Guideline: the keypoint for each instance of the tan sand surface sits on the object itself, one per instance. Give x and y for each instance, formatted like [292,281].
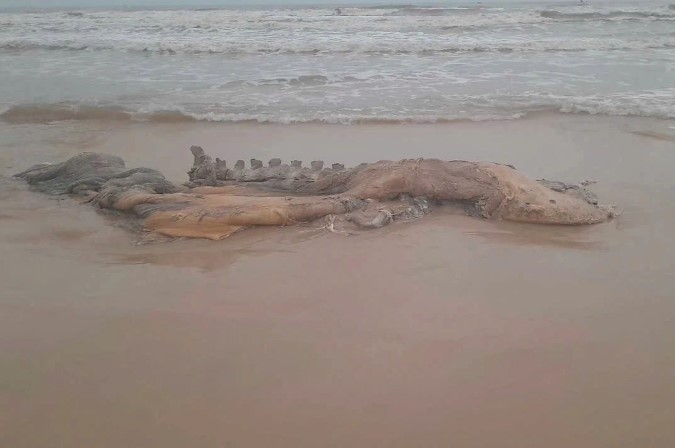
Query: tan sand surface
[446,332]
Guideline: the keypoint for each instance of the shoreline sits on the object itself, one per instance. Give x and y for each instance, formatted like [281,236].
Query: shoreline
[254,140]
[65,113]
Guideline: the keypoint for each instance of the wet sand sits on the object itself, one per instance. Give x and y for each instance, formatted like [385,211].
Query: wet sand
[446,332]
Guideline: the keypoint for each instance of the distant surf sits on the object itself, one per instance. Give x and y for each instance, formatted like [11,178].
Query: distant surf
[643,105]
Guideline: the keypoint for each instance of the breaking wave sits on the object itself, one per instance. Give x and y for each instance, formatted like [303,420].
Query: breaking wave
[389,63]
[645,104]
[420,11]
[51,113]
[385,29]
[363,46]
[572,16]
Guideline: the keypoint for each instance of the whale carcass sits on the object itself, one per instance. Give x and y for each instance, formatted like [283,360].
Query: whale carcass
[218,201]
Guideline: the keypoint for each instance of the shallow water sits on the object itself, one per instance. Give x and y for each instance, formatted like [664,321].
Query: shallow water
[285,65]
[448,331]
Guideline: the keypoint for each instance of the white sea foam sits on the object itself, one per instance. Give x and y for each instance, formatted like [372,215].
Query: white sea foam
[657,104]
[347,44]
[315,30]
[367,64]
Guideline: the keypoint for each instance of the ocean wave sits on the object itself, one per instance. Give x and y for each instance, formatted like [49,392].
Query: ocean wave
[387,18]
[641,104]
[389,6]
[429,11]
[356,46]
[28,46]
[402,30]
[351,20]
[298,81]
[56,112]
[609,15]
